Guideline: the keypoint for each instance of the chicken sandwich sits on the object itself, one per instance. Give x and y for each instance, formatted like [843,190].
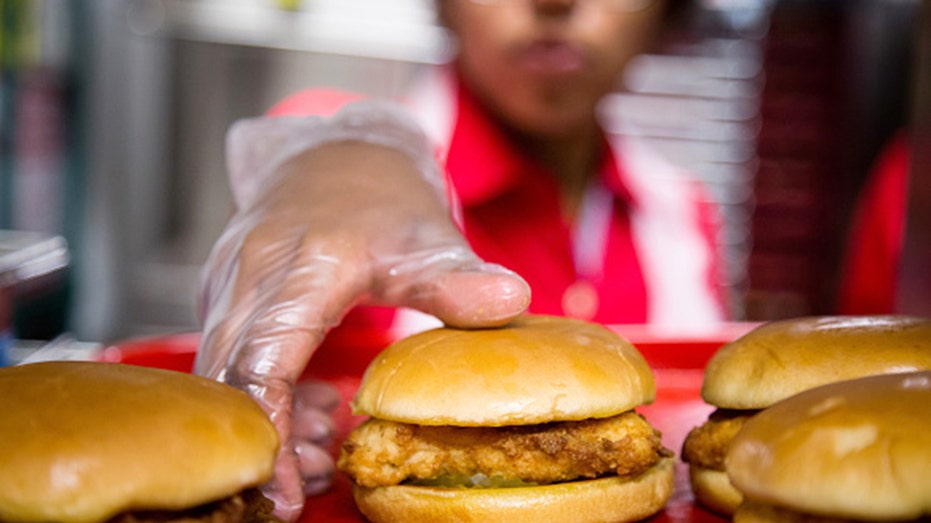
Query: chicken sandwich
[781,359]
[851,451]
[530,422]
[88,442]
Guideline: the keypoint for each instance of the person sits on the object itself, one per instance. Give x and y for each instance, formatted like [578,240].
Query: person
[493,177]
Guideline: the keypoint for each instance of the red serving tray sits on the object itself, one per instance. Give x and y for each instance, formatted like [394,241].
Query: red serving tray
[678,363]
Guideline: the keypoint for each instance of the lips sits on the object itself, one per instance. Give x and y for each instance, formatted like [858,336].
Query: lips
[553,57]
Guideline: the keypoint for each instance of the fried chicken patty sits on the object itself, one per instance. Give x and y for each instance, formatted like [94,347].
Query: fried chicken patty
[707,444]
[381,453]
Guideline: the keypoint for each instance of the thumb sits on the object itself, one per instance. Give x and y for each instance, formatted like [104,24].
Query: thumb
[469,295]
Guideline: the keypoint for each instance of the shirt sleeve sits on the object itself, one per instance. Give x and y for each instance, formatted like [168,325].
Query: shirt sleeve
[313,102]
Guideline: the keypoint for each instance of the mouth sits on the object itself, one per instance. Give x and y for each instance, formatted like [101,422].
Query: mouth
[551,57]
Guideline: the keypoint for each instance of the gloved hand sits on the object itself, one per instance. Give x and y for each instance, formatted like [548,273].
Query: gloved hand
[330,213]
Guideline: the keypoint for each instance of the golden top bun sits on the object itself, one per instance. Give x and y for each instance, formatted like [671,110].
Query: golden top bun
[857,449]
[782,358]
[535,369]
[613,498]
[83,441]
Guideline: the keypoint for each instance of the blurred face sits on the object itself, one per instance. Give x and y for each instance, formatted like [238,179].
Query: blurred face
[543,65]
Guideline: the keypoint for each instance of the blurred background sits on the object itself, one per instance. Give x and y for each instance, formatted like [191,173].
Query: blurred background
[113,115]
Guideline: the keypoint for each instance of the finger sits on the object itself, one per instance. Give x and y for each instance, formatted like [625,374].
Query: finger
[484,298]
[297,305]
[312,425]
[316,394]
[453,284]
[222,319]
[285,489]
[316,468]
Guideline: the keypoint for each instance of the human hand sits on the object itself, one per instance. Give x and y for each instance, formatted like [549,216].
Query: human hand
[343,223]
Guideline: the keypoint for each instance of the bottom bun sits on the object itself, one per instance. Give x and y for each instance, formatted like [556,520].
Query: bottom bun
[713,490]
[614,499]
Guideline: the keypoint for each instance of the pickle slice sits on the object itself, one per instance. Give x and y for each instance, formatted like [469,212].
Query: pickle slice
[478,480]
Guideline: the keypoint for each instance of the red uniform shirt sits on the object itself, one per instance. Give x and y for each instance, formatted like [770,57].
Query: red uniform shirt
[511,215]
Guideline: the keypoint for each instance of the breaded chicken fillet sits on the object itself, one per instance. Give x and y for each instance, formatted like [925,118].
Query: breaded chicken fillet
[706,445]
[381,453]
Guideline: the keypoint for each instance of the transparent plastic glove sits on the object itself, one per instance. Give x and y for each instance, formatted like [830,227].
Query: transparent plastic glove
[331,213]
